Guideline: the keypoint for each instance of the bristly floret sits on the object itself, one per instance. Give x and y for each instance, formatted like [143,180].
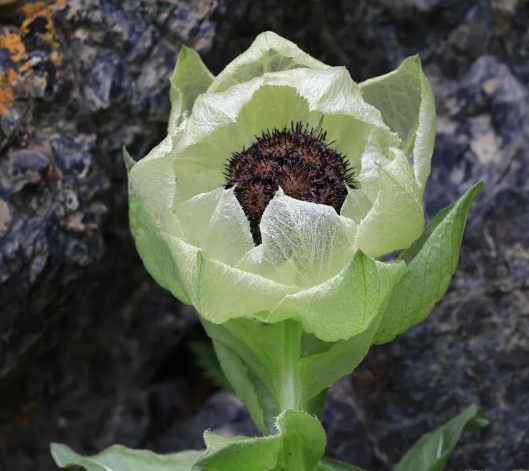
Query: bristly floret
[297,159]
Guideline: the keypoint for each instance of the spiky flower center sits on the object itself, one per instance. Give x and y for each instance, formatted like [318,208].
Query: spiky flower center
[297,159]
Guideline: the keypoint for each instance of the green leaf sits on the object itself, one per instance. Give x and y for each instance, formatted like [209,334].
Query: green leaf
[297,444]
[430,263]
[190,78]
[304,441]
[319,371]
[275,366]
[119,458]
[128,160]
[432,451]
[406,102]
[239,453]
[328,464]
[253,357]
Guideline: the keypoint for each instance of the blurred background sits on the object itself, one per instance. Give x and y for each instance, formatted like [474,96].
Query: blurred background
[93,352]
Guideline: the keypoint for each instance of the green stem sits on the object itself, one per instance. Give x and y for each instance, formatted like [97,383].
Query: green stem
[292,346]
[292,454]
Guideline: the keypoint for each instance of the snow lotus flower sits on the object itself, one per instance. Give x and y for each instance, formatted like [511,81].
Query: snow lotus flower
[279,186]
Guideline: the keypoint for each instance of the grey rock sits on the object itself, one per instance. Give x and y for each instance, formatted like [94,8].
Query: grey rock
[86,337]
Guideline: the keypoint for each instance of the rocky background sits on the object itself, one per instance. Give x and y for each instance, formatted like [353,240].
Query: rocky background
[93,353]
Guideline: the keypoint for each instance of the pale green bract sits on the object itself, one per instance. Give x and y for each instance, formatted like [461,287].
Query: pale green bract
[193,235]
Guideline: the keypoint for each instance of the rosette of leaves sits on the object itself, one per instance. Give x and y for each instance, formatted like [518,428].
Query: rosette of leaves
[280,185]
[297,444]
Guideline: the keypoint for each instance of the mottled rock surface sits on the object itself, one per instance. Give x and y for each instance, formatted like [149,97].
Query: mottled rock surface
[91,349]
[92,352]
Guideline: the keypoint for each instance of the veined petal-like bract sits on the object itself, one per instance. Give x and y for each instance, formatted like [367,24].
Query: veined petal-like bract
[314,262]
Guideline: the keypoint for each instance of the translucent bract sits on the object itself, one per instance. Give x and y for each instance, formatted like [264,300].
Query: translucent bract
[314,265]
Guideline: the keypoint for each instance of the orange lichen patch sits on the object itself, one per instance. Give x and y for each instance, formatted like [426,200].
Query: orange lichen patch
[15,46]
[43,10]
[56,58]
[14,43]
[35,8]
[17,51]
[31,10]
[24,67]
[45,13]
[7,97]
